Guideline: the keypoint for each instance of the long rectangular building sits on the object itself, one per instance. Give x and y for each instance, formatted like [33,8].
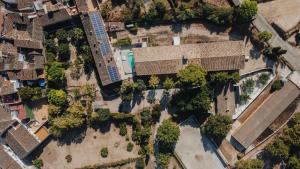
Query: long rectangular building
[101,49]
[265,115]
[214,56]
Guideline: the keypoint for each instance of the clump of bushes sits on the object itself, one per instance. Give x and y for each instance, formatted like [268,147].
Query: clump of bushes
[123,42]
[129,147]
[38,163]
[123,129]
[263,79]
[277,85]
[140,164]
[104,152]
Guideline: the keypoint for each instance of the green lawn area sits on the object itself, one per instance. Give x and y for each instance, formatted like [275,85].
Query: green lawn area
[29,113]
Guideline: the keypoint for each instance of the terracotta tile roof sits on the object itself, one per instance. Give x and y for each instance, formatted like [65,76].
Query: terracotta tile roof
[27,43]
[54,18]
[6,87]
[263,117]
[23,4]
[226,101]
[214,56]
[21,141]
[5,120]
[6,161]
[24,74]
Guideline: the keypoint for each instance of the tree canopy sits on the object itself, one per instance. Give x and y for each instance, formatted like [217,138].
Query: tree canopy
[101,115]
[30,93]
[191,76]
[153,81]
[217,127]
[265,36]
[194,100]
[249,164]
[168,84]
[55,72]
[246,11]
[57,98]
[168,134]
[62,35]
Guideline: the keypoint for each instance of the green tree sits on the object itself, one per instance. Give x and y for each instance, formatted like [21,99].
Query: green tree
[263,78]
[222,78]
[129,147]
[30,93]
[248,86]
[217,127]
[195,100]
[62,35]
[140,164]
[250,164]
[38,163]
[164,159]
[55,73]
[156,112]
[57,98]
[160,8]
[140,86]
[51,46]
[246,11]
[101,115]
[168,84]
[153,81]
[146,116]
[218,15]
[265,36]
[63,52]
[293,163]
[127,90]
[76,35]
[278,150]
[51,57]
[123,129]
[104,152]
[168,134]
[191,76]
[105,9]
[277,85]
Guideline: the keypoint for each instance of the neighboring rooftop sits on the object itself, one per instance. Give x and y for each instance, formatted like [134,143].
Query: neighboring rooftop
[6,161]
[283,13]
[226,100]
[101,49]
[21,141]
[5,120]
[261,119]
[214,56]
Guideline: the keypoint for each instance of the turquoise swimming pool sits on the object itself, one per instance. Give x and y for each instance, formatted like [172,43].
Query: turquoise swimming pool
[131,60]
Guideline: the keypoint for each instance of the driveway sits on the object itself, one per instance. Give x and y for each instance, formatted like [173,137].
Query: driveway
[194,149]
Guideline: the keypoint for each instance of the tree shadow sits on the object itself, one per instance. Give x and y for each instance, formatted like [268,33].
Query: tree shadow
[125,106]
[151,96]
[74,136]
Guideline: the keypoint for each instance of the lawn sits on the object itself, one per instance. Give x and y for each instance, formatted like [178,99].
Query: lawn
[29,112]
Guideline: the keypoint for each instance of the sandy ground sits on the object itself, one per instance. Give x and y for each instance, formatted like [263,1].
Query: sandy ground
[88,151]
[40,110]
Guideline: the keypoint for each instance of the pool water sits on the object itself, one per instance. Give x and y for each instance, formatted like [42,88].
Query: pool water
[131,60]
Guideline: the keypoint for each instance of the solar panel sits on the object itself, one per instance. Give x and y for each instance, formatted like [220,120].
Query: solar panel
[113,74]
[100,32]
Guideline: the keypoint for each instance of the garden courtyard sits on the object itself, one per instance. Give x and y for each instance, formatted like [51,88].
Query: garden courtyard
[54,154]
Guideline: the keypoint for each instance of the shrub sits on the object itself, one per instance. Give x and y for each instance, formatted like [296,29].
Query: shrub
[68,158]
[248,86]
[129,147]
[146,117]
[250,164]
[104,152]
[168,134]
[55,73]
[122,117]
[123,42]
[101,115]
[217,127]
[265,36]
[29,93]
[62,35]
[38,163]
[244,97]
[57,98]
[164,159]
[123,129]
[140,164]
[156,112]
[63,52]
[277,85]
[263,78]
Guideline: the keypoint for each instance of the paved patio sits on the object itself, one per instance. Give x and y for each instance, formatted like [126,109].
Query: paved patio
[194,149]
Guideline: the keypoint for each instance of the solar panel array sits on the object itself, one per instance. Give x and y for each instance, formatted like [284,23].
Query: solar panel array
[100,33]
[113,73]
